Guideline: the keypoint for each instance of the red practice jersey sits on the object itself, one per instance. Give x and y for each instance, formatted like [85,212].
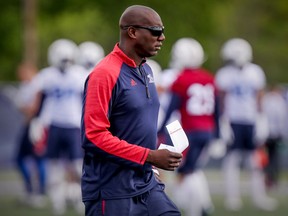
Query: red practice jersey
[197,92]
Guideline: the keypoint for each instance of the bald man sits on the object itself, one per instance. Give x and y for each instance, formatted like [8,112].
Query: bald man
[119,125]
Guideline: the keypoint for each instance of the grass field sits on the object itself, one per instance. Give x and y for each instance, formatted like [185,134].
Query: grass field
[10,206]
[11,187]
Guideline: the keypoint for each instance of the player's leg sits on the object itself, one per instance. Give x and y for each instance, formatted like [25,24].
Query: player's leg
[56,186]
[201,181]
[25,151]
[272,170]
[38,198]
[25,173]
[56,171]
[41,169]
[192,194]
[186,196]
[75,156]
[258,188]
[204,192]
[231,170]
[232,180]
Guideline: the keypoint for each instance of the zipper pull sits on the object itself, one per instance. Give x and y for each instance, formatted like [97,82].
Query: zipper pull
[147,91]
[144,75]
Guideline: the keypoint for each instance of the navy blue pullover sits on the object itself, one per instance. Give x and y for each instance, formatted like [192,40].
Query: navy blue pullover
[119,127]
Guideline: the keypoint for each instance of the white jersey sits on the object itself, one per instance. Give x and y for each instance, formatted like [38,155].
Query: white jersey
[25,95]
[63,95]
[167,78]
[241,87]
[87,71]
[274,106]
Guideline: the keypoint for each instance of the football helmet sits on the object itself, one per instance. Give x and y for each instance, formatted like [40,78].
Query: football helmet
[186,53]
[237,51]
[62,53]
[90,53]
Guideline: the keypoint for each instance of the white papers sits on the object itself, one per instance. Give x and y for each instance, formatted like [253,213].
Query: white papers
[168,147]
[178,137]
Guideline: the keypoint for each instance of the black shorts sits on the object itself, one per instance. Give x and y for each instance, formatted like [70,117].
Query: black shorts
[244,137]
[64,143]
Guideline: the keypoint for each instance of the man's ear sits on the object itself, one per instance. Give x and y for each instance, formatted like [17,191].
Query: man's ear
[131,32]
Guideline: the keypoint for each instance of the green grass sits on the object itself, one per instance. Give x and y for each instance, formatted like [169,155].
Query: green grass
[10,205]
[248,209]
[14,205]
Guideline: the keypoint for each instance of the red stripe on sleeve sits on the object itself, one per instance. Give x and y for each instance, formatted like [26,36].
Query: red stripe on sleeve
[96,123]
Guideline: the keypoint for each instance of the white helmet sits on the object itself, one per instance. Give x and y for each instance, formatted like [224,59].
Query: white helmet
[187,53]
[156,69]
[237,50]
[62,53]
[90,54]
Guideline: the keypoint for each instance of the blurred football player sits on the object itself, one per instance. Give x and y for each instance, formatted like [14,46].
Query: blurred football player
[194,95]
[169,75]
[62,85]
[241,85]
[30,150]
[275,108]
[90,53]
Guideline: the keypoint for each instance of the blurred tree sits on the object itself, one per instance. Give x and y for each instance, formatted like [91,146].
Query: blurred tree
[10,38]
[264,25]
[211,22]
[29,8]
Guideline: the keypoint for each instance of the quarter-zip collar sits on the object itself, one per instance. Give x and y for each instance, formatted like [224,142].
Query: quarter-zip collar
[144,76]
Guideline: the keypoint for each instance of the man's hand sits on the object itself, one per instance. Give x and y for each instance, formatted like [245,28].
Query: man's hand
[164,159]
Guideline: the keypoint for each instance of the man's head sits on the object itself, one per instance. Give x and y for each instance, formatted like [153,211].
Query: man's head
[62,53]
[90,53]
[187,53]
[26,71]
[141,32]
[237,51]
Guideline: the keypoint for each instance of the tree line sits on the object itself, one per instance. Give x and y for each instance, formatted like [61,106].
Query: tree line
[28,27]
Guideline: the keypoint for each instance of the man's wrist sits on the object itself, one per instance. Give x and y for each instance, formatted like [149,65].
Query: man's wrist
[149,158]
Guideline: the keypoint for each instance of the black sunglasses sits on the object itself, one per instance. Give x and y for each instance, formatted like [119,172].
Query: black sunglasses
[156,31]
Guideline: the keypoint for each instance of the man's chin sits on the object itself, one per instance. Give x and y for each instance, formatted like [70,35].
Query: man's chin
[153,53]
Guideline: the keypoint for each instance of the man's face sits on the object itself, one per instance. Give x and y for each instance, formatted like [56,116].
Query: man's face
[149,38]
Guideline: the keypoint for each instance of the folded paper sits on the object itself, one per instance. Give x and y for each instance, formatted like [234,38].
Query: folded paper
[178,137]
